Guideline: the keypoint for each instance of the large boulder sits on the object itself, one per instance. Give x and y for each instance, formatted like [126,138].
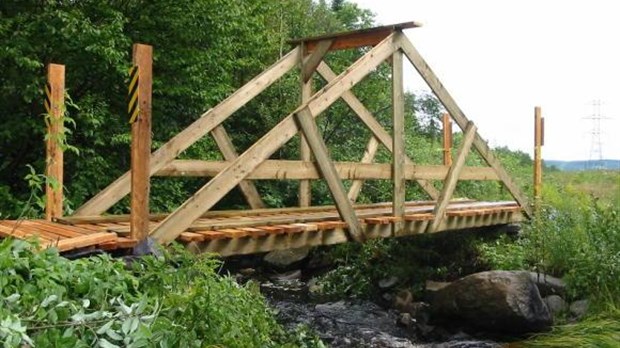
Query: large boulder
[498,301]
[286,259]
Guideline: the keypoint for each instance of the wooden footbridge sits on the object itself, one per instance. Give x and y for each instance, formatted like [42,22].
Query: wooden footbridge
[263,229]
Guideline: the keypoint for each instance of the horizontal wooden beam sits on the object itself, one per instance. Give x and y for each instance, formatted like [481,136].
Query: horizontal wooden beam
[299,170]
[356,38]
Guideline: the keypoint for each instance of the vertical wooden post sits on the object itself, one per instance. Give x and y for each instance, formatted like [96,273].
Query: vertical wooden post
[55,108]
[305,188]
[538,143]
[447,140]
[398,141]
[141,143]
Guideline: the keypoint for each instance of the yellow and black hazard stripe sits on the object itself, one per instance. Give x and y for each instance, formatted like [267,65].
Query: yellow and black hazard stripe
[132,107]
[48,98]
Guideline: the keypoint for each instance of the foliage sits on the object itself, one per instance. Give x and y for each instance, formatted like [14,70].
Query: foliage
[573,237]
[179,301]
[204,50]
[598,331]
[413,260]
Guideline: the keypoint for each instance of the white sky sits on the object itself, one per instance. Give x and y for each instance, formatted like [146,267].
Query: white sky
[499,59]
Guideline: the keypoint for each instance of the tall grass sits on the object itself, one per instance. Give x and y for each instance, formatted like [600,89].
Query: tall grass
[574,237]
[598,331]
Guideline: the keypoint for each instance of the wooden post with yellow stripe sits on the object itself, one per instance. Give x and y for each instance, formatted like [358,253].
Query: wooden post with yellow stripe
[140,89]
[54,115]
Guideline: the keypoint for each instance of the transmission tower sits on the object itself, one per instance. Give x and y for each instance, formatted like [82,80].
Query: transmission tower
[596,144]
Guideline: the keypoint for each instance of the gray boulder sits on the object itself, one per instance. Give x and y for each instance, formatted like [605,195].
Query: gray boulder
[579,308]
[285,259]
[555,304]
[498,301]
[548,285]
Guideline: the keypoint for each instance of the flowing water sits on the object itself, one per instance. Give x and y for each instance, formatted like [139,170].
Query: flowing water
[358,323]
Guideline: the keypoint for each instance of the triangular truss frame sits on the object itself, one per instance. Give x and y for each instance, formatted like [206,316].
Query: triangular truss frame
[388,42]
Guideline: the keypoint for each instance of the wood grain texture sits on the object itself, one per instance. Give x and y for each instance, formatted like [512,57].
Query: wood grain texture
[328,171]
[222,183]
[248,189]
[54,156]
[369,120]
[447,139]
[141,144]
[398,141]
[300,170]
[305,186]
[449,183]
[538,141]
[367,158]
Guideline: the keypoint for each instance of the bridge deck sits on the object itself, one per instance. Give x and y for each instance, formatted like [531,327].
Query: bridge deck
[242,232]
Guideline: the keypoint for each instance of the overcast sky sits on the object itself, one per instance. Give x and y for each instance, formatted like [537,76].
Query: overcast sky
[499,59]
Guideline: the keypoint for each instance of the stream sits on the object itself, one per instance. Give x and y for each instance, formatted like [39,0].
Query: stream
[354,323]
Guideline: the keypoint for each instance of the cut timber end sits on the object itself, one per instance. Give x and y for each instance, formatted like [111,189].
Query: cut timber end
[354,39]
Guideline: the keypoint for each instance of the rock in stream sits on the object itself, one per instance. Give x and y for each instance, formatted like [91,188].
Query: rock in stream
[350,323]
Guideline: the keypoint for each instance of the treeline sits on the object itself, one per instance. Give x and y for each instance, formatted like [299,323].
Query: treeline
[203,51]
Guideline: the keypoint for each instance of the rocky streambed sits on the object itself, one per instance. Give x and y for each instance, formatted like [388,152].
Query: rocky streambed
[486,309]
[356,323]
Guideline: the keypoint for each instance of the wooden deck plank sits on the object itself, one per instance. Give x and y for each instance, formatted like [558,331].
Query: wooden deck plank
[85,241]
[9,231]
[28,230]
[66,231]
[271,229]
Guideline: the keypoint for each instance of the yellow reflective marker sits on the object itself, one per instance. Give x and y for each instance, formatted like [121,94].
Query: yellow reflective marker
[48,98]
[132,108]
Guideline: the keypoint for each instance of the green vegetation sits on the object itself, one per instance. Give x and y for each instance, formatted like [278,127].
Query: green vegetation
[576,237]
[176,301]
[600,330]
[204,50]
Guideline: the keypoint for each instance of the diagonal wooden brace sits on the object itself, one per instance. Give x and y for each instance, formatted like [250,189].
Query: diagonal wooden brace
[369,156]
[199,128]
[452,177]
[328,171]
[369,120]
[309,64]
[234,173]
[228,152]
[459,117]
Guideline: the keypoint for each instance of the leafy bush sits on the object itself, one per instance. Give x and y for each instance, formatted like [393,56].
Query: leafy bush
[413,260]
[575,237]
[180,301]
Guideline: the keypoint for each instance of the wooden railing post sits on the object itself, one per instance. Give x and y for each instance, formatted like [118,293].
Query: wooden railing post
[538,143]
[54,118]
[447,140]
[140,93]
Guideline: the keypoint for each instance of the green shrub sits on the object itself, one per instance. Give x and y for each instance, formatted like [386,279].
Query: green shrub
[574,237]
[177,301]
[505,253]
